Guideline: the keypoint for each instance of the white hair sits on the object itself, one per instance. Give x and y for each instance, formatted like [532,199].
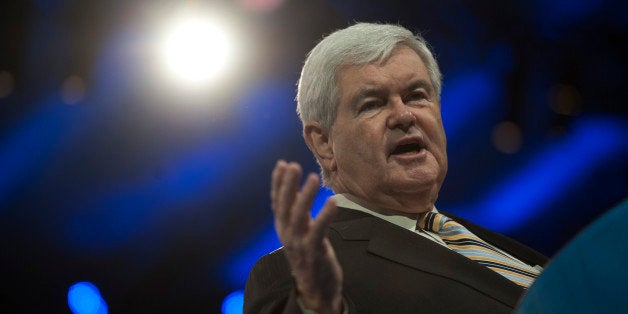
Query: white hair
[363,43]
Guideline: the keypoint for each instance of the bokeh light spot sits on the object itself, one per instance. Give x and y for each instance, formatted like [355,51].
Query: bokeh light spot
[194,50]
[233,303]
[507,137]
[261,6]
[84,298]
[565,100]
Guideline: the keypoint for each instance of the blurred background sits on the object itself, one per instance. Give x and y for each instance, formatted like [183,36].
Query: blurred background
[137,137]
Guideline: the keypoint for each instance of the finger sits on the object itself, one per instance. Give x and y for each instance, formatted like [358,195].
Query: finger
[275,182]
[300,216]
[287,193]
[322,221]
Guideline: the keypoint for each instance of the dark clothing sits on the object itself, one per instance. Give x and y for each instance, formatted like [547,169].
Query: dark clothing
[388,269]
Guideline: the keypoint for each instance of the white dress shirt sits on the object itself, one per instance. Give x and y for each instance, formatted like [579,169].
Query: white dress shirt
[347,201]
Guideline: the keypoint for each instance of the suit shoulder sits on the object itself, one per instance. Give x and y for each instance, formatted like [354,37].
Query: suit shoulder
[270,284]
[270,269]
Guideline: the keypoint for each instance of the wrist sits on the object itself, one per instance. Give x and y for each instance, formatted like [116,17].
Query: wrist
[321,305]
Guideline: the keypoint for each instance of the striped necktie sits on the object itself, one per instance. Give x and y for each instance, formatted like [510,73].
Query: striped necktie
[461,240]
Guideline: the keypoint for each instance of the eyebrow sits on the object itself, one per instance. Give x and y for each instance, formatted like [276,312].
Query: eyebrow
[365,92]
[421,83]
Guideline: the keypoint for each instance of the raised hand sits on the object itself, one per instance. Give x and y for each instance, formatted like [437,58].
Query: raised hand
[315,268]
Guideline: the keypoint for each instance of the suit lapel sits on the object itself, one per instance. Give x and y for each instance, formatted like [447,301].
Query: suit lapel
[407,248]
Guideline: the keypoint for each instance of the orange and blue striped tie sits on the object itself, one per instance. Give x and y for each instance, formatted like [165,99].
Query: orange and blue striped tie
[461,240]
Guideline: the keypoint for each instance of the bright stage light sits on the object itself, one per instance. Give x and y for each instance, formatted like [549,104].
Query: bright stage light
[84,298]
[194,50]
[233,303]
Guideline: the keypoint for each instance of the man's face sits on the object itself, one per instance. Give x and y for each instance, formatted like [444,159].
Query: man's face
[388,141]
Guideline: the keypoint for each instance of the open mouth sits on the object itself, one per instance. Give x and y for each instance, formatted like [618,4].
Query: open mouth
[410,148]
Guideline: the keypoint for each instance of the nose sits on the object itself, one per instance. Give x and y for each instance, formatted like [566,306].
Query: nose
[400,116]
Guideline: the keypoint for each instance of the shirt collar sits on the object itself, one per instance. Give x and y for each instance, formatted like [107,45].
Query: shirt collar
[346,200]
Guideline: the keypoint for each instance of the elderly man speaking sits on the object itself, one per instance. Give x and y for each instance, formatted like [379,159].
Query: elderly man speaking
[369,100]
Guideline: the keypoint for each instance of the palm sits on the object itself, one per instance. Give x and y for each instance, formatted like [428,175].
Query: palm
[316,269]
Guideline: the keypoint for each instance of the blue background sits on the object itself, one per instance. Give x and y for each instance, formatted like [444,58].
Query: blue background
[159,199]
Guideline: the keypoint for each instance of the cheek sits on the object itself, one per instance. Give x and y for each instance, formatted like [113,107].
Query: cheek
[440,135]
[434,128]
[362,140]
[432,124]
[348,147]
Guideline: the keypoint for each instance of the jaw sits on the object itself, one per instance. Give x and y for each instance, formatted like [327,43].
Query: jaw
[405,183]
[394,193]
[419,174]
[412,196]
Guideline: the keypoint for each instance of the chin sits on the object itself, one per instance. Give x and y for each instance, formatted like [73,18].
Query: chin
[416,185]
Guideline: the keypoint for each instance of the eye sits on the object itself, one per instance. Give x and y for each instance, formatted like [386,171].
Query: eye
[416,96]
[370,105]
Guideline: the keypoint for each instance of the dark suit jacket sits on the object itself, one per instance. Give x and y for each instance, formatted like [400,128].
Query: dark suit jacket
[388,269]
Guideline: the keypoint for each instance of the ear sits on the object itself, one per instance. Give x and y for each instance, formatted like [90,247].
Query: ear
[320,143]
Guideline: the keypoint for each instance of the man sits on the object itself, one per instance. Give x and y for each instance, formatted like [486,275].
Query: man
[369,100]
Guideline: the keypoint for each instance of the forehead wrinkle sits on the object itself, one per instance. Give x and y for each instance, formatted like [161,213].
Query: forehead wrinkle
[379,77]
